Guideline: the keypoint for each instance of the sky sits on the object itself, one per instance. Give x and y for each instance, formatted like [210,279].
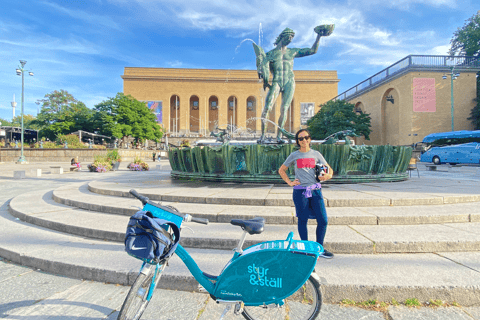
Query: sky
[83,46]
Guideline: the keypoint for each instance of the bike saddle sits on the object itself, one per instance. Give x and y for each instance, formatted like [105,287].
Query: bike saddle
[252,226]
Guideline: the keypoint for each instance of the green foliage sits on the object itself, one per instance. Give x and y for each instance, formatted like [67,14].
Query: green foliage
[466,41]
[113,156]
[138,165]
[61,113]
[475,113]
[435,303]
[348,302]
[72,141]
[100,164]
[5,123]
[413,302]
[335,116]
[395,302]
[125,116]
[28,122]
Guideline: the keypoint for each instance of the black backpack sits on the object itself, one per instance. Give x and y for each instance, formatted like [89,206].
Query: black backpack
[147,238]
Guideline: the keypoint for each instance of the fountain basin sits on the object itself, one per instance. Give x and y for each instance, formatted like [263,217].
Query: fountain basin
[259,163]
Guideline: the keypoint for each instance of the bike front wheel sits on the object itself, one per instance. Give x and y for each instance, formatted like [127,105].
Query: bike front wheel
[304,304]
[136,301]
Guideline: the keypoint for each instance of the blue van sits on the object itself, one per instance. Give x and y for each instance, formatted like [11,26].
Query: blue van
[453,154]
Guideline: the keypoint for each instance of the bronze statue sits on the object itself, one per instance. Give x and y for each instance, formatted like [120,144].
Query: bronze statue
[279,61]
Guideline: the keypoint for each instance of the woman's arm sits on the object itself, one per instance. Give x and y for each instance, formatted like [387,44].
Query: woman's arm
[283,173]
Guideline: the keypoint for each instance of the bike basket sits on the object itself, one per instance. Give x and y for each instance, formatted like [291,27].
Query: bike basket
[147,238]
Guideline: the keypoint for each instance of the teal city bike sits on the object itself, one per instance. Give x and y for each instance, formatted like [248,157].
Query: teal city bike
[269,280]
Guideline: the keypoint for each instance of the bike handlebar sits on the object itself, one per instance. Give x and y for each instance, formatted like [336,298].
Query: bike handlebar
[144,199]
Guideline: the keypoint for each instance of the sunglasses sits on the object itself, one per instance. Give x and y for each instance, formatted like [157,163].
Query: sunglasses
[306,138]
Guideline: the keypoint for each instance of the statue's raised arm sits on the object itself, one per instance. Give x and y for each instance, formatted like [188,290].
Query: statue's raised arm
[322,31]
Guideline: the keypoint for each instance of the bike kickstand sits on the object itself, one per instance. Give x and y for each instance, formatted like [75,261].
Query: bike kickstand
[228,307]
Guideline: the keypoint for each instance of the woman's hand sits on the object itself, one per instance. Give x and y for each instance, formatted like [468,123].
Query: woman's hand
[326,176]
[294,183]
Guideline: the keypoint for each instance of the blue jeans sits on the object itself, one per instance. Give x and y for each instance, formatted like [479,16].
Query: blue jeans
[313,208]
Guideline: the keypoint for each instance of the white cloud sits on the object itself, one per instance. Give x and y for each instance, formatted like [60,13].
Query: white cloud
[175,64]
[88,17]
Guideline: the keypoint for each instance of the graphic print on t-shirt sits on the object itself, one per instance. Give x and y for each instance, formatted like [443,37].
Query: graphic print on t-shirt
[306,164]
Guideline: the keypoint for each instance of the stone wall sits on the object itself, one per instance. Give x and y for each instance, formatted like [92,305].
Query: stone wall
[66,155]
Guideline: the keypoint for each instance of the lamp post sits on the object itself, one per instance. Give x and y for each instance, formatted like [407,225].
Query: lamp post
[452,77]
[21,71]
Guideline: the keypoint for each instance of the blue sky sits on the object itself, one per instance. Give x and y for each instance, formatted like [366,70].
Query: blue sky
[83,46]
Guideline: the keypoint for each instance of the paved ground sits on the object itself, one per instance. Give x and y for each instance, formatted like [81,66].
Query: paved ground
[31,294]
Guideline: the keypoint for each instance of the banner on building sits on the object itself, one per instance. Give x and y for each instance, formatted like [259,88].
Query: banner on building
[424,99]
[156,107]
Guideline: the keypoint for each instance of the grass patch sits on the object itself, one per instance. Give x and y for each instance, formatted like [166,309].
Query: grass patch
[435,303]
[413,302]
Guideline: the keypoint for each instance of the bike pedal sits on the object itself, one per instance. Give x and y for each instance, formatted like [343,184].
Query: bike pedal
[238,308]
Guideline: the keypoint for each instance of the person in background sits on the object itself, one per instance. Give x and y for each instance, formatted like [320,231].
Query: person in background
[307,192]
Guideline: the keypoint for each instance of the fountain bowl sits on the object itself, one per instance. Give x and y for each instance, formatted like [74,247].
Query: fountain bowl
[249,162]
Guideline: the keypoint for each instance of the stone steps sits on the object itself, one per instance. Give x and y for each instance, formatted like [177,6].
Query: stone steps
[348,239]
[427,251]
[359,195]
[78,195]
[446,276]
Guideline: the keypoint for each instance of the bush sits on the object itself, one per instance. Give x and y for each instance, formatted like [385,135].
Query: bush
[138,165]
[113,156]
[100,164]
[72,140]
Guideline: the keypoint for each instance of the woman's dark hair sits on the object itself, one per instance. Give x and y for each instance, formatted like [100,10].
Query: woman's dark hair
[298,132]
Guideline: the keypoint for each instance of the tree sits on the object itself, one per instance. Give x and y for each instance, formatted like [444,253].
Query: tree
[5,122]
[126,116]
[335,116]
[61,113]
[466,41]
[28,122]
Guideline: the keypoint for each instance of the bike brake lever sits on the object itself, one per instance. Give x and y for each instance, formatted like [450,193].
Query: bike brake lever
[187,228]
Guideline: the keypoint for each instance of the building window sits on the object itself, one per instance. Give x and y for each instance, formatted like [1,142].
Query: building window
[213,105]
[195,105]
[307,111]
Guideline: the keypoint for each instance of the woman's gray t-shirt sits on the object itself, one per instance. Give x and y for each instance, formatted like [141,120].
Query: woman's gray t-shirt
[305,165]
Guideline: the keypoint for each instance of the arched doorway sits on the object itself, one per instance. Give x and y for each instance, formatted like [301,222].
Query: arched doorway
[251,122]
[359,109]
[272,117]
[213,113]
[194,114]
[174,114]
[390,117]
[290,116]
[232,111]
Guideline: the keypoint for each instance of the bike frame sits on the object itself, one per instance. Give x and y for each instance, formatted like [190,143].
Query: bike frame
[263,274]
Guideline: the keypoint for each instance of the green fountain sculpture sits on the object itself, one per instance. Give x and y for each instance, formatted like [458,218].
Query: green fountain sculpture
[237,161]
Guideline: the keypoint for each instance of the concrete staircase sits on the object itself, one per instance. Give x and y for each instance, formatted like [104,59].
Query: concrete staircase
[389,241]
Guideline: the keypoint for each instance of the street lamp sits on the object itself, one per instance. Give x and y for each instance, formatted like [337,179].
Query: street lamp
[453,76]
[21,71]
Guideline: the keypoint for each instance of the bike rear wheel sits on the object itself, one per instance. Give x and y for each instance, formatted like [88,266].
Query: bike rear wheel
[136,301]
[304,304]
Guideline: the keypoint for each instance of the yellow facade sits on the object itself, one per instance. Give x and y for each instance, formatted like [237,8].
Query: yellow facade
[238,96]
[397,123]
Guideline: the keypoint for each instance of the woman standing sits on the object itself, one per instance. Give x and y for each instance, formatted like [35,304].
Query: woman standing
[307,192]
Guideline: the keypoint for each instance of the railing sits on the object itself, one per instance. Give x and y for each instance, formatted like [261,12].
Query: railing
[413,61]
